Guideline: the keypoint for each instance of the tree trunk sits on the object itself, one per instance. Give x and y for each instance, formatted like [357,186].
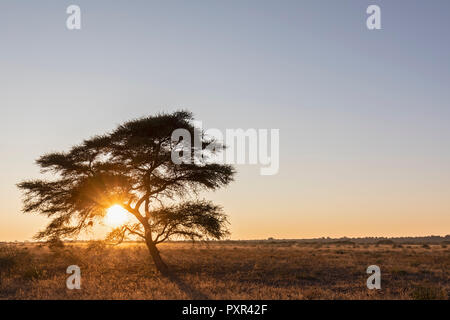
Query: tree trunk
[154,252]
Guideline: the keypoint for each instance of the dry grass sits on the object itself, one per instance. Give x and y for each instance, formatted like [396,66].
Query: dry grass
[226,271]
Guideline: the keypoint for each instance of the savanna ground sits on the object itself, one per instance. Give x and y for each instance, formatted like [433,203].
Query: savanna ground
[225,270]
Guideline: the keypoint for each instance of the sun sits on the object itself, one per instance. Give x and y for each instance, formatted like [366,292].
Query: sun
[116,216]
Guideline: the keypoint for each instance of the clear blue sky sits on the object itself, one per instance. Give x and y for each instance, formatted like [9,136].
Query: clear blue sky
[363,115]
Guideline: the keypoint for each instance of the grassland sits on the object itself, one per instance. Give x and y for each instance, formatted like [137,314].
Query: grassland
[257,270]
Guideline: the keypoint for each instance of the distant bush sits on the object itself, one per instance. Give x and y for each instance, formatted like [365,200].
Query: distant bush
[386,241]
[32,272]
[96,245]
[12,259]
[426,246]
[55,243]
[344,242]
[7,262]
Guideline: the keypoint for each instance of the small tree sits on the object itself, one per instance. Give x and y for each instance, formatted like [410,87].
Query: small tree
[132,166]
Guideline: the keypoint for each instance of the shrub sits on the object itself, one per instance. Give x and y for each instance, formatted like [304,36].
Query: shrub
[55,243]
[13,261]
[96,246]
[32,272]
[12,258]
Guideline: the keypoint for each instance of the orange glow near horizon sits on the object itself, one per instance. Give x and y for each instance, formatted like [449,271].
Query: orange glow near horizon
[116,216]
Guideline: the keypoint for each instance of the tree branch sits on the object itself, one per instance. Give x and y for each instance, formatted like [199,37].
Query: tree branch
[135,232]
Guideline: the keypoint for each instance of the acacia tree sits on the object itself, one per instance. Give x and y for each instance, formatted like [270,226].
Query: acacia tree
[132,166]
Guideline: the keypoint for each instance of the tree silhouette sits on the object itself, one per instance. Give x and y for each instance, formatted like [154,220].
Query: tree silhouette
[132,166]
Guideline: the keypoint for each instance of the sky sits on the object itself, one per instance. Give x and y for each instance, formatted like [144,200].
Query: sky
[363,114]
